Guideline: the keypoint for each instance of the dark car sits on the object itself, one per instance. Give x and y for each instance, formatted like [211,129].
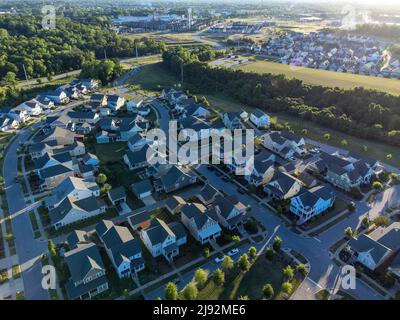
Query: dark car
[241,190]
[226,178]
[210,167]
[218,173]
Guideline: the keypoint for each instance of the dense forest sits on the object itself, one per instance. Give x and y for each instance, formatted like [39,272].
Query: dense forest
[23,41]
[360,112]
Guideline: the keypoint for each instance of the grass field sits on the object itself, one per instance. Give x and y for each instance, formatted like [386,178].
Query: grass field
[322,77]
[249,283]
[152,78]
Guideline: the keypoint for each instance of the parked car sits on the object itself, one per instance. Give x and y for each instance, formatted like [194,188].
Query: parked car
[219,259]
[226,178]
[233,252]
[241,190]
[218,173]
[210,167]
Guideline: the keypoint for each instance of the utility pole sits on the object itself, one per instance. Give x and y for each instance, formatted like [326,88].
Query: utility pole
[105,55]
[137,55]
[26,76]
[181,71]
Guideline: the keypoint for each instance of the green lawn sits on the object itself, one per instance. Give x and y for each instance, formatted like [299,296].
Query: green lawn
[322,77]
[109,152]
[152,77]
[249,283]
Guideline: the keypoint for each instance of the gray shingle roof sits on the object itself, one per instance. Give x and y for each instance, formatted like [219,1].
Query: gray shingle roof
[117,193]
[141,187]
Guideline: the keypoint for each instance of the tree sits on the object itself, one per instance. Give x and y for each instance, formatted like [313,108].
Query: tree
[365,222]
[327,136]
[190,292]
[268,291]
[244,298]
[277,243]
[348,232]
[244,263]
[365,148]
[171,291]
[235,238]
[227,263]
[302,268]
[351,206]
[52,248]
[389,156]
[10,79]
[206,252]
[344,142]
[381,221]
[218,277]
[200,276]
[288,272]
[101,178]
[377,185]
[304,132]
[287,287]
[269,253]
[252,252]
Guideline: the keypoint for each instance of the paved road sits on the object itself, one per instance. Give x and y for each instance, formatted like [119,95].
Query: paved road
[28,248]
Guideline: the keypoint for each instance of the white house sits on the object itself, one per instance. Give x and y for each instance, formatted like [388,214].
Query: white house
[163,239]
[122,248]
[202,227]
[71,210]
[115,102]
[260,119]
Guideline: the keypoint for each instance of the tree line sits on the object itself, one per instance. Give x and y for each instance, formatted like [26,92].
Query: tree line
[361,112]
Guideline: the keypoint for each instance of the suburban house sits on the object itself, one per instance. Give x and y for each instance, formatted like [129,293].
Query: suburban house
[89,84]
[232,120]
[136,159]
[71,210]
[40,149]
[115,102]
[137,142]
[117,195]
[228,211]
[99,98]
[32,107]
[76,188]
[260,119]
[20,115]
[202,227]
[7,123]
[263,168]
[50,160]
[133,104]
[345,172]
[91,159]
[208,194]
[173,95]
[102,137]
[284,143]
[122,248]
[174,204]
[376,250]
[140,220]
[52,176]
[312,203]
[174,179]
[60,135]
[57,96]
[142,189]
[81,117]
[164,239]
[87,270]
[282,186]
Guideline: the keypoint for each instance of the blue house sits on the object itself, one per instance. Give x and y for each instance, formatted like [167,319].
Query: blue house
[91,159]
[102,137]
[128,128]
[312,203]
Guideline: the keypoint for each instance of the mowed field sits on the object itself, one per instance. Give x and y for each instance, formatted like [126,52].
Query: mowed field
[322,77]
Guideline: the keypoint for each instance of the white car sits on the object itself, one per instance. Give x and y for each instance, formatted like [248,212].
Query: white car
[233,252]
[219,259]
